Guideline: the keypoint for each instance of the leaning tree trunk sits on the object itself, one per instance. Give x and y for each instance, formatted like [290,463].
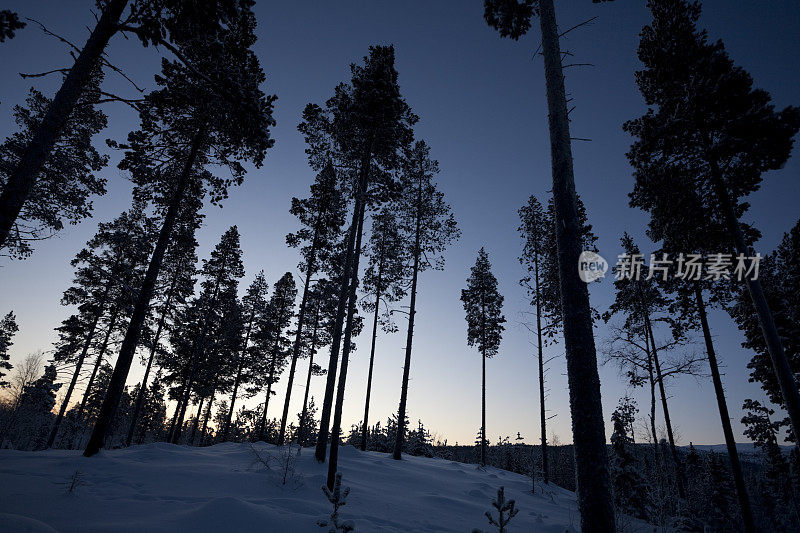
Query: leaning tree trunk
[780,364]
[78,365]
[588,431]
[23,178]
[542,413]
[333,458]
[131,340]
[336,338]
[298,336]
[364,424]
[412,313]
[730,443]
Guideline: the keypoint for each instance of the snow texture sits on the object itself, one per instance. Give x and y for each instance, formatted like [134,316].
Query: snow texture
[167,488]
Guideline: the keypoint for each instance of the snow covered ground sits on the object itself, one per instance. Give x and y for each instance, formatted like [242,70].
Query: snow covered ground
[163,487]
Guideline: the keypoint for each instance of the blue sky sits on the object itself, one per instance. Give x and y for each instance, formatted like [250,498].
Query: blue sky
[482,110]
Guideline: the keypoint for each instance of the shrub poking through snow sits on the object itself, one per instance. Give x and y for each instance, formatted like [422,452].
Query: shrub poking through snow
[505,509]
[74,482]
[337,497]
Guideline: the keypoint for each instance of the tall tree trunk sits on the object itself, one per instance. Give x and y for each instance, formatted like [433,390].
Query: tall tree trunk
[588,431]
[99,361]
[304,412]
[131,340]
[365,421]
[730,443]
[78,365]
[664,407]
[651,380]
[206,417]
[780,364]
[143,387]
[238,379]
[196,423]
[336,338]
[333,458]
[412,313]
[483,409]
[298,336]
[263,432]
[542,414]
[23,178]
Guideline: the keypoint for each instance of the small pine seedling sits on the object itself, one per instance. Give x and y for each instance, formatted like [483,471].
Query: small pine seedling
[338,498]
[505,509]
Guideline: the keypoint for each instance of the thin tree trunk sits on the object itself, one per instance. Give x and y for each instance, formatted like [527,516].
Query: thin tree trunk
[298,336]
[304,413]
[651,379]
[333,458]
[333,361]
[664,407]
[78,365]
[99,361]
[23,178]
[262,433]
[542,414]
[730,443]
[196,423]
[206,417]
[483,410]
[780,364]
[412,313]
[364,424]
[143,387]
[238,379]
[588,430]
[131,340]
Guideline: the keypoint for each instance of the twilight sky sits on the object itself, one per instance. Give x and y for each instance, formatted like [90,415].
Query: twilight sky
[482,110]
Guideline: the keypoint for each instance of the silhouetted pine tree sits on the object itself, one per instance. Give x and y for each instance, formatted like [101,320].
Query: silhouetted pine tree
[67,179]
[364,124]
[168,24]
[255,306]
[8,328]
[273,340]
[211,114]
[428,227]
[321,308]
[382,285]
[221,274]
[641,300]
[108,275]
[723,135]
[322,215]
[630,489]
[175,286]
[512,18]
[9,24]
[483,305]
[780,280]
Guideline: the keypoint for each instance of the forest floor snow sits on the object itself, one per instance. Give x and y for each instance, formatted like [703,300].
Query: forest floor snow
[166,488]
